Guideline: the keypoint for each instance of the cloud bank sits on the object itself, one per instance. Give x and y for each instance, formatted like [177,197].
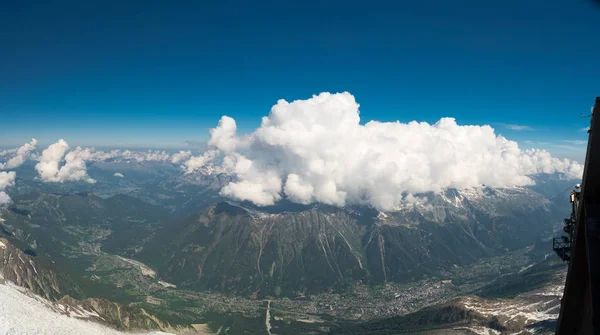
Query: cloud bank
[51,168]
[7,179]
[7,152]
[316,150]
[21,155]
[58,163]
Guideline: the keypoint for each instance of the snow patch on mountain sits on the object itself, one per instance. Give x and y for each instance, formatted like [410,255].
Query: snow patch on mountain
[492,201]
[22,312]
[480,330]
[525,310]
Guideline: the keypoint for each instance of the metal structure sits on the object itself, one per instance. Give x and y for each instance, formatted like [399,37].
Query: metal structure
[562,245]
[580,306]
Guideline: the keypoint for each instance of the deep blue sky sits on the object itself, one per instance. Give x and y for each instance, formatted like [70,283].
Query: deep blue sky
[157,73]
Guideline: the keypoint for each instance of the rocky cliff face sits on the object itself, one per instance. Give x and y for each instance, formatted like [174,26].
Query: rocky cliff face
[231,248]
[113,314]
[38,275]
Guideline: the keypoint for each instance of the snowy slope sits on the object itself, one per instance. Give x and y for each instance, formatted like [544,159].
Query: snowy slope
[22,312]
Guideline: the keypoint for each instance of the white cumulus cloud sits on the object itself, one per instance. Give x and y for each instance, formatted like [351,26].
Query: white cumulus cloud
[316,150]
[21,155]
[196,162]
[180,156]
[7,179]
[58,164]
[120,175]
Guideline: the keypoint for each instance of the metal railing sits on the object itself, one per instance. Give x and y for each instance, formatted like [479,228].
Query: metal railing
[562,247]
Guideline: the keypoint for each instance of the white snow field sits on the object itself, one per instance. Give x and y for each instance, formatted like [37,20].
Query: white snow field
[22,312]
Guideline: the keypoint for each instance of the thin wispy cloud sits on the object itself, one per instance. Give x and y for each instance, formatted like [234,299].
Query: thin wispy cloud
[537,143]
[196,144]
[576,142]
[585,129]
[569,147]
[517,127]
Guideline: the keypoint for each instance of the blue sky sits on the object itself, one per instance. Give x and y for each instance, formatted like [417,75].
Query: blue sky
[158,73]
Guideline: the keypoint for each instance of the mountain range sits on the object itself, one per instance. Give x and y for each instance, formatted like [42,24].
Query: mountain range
[185,256]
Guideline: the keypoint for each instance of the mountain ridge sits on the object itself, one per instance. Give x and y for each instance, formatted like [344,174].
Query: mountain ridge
[353,243]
